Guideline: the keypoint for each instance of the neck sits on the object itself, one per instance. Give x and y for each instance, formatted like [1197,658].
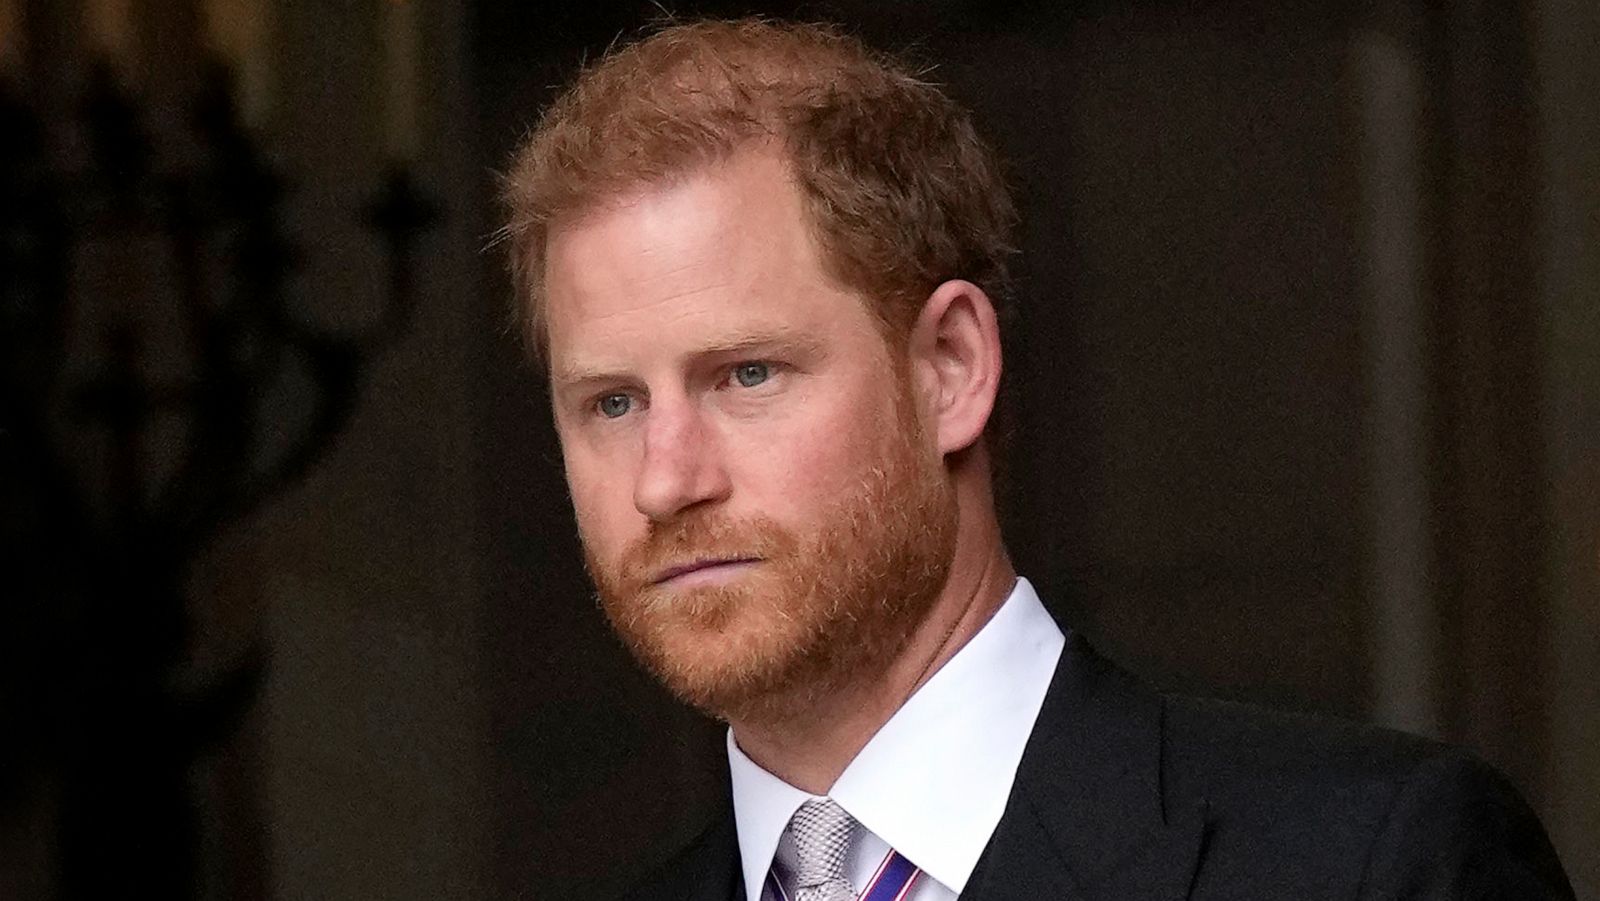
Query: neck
[810,748]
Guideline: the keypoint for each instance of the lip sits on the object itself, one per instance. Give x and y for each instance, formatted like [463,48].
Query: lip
[696,566]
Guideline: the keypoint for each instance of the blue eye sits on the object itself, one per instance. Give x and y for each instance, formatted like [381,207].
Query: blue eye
[751,374]
[614,405]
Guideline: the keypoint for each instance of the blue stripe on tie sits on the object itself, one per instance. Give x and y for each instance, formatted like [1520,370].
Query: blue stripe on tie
[897,874]
[894,876]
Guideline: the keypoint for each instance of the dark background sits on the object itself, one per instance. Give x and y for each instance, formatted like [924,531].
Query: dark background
[1305,360]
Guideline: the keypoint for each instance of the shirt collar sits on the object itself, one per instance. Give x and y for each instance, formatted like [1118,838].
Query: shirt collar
[762,807]
[934,780]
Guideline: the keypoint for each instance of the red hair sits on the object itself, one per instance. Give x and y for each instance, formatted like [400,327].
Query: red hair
[901,192]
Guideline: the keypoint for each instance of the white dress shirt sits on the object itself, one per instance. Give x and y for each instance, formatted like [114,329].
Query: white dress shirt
[933,782]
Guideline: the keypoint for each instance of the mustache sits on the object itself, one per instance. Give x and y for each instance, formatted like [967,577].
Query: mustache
[695,540]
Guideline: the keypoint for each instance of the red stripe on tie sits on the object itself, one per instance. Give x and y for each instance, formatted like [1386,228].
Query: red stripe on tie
[906,892]
[894,878]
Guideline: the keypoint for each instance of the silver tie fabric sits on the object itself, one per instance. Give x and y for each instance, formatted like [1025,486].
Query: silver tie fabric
[821,832]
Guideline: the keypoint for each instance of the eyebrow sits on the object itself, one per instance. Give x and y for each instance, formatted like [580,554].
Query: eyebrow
[780,342]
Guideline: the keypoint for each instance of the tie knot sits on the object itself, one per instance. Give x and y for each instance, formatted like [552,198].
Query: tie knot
[821,832]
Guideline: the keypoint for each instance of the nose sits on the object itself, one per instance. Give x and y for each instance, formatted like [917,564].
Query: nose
[682,465]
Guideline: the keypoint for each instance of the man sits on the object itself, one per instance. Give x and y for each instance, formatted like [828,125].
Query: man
[761,264]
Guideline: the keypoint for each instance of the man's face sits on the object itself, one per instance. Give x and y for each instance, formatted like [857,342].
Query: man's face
[761,511]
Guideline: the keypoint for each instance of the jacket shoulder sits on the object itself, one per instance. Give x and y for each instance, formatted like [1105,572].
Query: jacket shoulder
[1382,812]
[1229,745]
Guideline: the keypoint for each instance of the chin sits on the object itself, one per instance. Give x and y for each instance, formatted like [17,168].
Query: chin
[773,651]
[719,650]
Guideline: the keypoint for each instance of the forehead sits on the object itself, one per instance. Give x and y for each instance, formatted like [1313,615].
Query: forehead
[724,249]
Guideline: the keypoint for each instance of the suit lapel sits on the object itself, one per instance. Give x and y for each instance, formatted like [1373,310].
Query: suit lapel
[1087,819]
[707,870]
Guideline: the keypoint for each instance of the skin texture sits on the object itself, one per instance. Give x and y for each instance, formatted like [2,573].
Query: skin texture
[789,519]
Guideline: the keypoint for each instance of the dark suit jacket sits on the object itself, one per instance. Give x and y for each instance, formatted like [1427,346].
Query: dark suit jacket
[1125,794]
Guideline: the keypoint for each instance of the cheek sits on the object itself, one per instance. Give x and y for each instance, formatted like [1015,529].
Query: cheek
[809,460]
[601,506]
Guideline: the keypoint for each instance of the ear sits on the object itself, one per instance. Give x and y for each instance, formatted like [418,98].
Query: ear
[955,362]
